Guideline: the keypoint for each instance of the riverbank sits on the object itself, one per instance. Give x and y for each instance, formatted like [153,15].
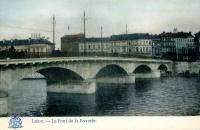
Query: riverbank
[3,104]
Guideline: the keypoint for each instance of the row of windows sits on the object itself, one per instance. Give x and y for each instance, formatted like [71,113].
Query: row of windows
[107,47]
[94,46]
[28,49]
[180,39]
[33,50]
[134,49]
[91,47]
[168,49]
[168,44]
[148,43]
[184,40]
[141,43]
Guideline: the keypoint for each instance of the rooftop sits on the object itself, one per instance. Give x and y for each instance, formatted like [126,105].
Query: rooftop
[160,40]
[79,35]
[197,34]
[18,42]
[133,36]
[176,35]
[96,39]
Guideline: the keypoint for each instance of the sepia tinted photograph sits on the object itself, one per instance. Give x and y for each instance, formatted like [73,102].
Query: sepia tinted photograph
[82,58]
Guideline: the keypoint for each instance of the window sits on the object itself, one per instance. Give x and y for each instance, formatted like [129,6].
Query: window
[137,49]
[124,49]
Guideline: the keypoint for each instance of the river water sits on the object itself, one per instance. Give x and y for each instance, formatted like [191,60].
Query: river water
[151,97]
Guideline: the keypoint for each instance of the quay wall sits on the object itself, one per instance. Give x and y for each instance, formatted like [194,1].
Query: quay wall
[187,67]
[3,104]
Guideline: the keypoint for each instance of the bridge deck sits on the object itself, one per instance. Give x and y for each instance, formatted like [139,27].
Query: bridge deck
[66,59]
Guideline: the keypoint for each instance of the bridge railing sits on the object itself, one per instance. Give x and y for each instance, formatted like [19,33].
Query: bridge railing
[99,54]
[26,55]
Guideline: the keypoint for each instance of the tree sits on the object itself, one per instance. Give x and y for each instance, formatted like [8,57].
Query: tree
[11,52]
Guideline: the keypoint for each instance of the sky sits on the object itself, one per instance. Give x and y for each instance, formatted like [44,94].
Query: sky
[21,18]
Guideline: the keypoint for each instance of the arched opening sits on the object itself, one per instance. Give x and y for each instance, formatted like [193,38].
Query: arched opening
[111,71]
[142,69]
[163,70]
[56,74]
[162,67]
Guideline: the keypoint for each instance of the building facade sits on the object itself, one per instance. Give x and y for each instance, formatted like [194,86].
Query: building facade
[174,46]
[164,49]
[180,44]
[70,43]
[197,42]
[37,47]
[137,44]
[95,45]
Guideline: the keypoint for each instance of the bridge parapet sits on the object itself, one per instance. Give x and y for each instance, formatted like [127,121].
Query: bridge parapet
[70,59]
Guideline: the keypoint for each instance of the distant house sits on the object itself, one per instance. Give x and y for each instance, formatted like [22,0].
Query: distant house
[136,44]
[183,42]
[70,43]
[182,39]
[164,49]
[95,45]
[35,46]
[197,42]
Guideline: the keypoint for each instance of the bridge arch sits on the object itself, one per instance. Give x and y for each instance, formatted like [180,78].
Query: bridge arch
[142,69]
[60,74]
[163,67]
[111,70]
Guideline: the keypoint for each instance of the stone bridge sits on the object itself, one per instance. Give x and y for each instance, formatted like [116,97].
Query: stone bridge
[86,69]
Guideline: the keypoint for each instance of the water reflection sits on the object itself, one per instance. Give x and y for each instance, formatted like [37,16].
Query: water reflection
[149,97]
[113,99]
[28,98]
[143,85]
[70,104]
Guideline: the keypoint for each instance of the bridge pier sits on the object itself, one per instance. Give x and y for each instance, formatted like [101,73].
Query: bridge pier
[3,104]
[83,87]
[5,80]
[129,79]
[154,74]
